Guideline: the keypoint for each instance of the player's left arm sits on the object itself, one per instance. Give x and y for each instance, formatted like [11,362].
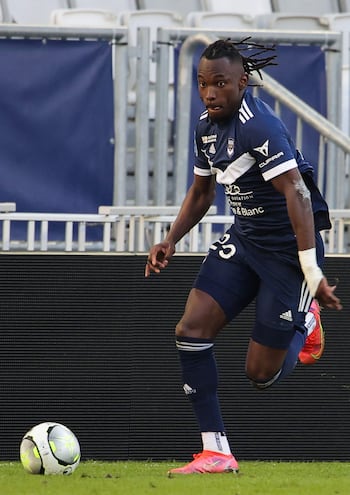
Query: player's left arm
[298,199]
[292,186]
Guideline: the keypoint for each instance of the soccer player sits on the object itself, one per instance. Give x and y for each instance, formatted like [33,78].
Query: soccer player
[272,253]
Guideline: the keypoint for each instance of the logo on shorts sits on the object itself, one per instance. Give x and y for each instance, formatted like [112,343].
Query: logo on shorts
[287,315]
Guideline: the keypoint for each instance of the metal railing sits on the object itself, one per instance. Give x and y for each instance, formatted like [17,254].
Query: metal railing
[132,230]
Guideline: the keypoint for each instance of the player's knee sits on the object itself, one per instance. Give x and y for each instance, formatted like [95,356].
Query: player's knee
[260,382]
[188,328]
[181,330]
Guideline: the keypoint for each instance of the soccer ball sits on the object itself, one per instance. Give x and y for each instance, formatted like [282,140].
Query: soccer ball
[50,448]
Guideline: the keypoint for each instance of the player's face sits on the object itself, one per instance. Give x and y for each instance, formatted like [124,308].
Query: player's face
[221,84]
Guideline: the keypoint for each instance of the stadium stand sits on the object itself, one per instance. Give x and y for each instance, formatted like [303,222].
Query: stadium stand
[152,19]
[295,21]
[31,11]
[252,7]
[115,6]
[344,5]
[306,6]
[183,7]
[84,17]
[338,22]
[220,20]
[144,154]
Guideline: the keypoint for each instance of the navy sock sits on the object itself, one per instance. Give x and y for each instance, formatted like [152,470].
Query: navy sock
[200,379]
[295,347]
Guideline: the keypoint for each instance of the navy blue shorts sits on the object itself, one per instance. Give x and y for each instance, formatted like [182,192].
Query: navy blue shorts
[235,273]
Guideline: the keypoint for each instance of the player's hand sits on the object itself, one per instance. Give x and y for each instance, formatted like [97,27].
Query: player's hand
[326,297]
[158,257]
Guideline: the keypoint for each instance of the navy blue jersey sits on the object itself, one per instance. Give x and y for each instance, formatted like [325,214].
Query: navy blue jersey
[245,154]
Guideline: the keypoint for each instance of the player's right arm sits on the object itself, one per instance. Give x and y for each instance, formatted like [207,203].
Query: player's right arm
[198,199]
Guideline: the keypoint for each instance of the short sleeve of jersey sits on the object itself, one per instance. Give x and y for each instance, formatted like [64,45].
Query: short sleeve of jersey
[271,146]
[202,164]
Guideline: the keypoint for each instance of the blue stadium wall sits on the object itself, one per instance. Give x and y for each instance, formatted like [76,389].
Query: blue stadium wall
[87,341]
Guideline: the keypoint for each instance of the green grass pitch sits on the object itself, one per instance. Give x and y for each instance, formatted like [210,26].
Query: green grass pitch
[145,478]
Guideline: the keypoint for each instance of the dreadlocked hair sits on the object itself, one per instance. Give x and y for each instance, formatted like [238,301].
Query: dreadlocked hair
[234,50]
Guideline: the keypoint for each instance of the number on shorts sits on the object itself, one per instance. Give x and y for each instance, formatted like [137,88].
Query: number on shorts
[227,250]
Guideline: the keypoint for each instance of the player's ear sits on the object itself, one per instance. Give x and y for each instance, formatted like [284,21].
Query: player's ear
[243,82]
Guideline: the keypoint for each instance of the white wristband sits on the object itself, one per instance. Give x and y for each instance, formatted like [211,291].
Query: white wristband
[312,272]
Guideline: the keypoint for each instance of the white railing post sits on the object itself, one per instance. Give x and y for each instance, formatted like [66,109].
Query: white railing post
[107,237]
[6,231]
[81,236]
[69,236]
[31,235]
[44,235]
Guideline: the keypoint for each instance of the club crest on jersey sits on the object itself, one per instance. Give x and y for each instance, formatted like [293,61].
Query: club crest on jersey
[230,147]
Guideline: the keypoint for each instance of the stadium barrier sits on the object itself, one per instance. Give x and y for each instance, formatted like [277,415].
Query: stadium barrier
[87,341]
[132,230]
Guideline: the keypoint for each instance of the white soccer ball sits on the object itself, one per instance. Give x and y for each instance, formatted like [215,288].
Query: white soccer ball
[50,448]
